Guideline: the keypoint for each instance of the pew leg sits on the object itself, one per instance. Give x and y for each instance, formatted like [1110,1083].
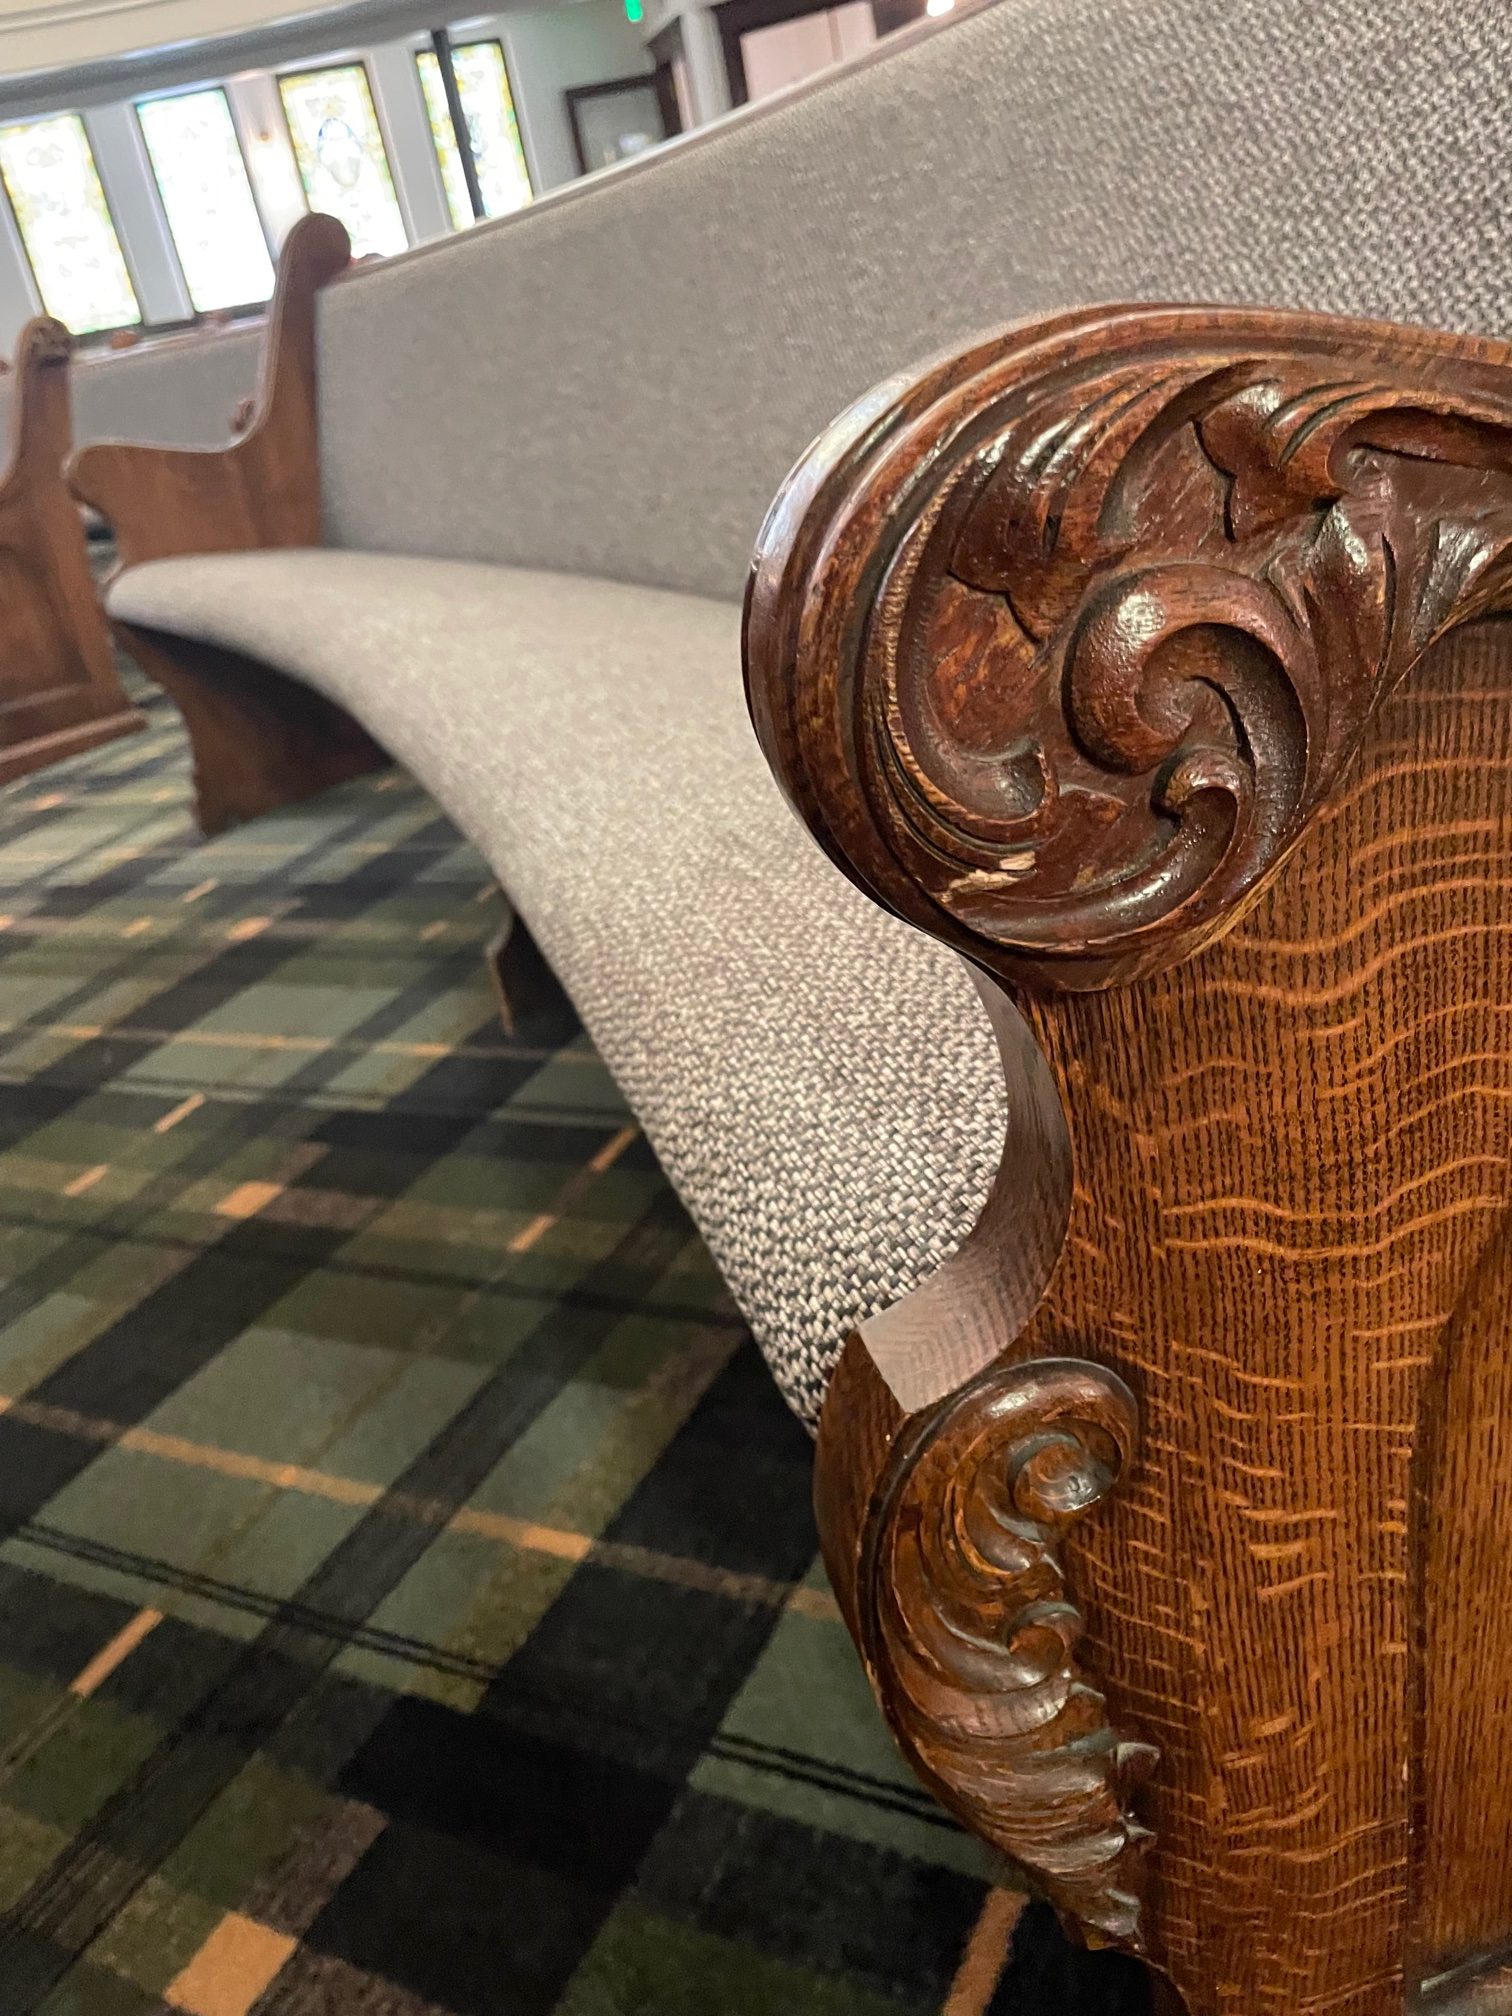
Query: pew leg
[530,994]
[259,740]
[60,690]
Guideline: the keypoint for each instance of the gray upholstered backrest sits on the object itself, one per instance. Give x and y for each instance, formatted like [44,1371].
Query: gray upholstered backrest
[618,381]
[179,393]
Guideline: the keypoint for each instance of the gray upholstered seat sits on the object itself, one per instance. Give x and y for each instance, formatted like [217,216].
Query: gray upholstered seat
[614,382]
[817,1078]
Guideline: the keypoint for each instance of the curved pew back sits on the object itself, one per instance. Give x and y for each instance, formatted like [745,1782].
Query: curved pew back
[180,391]
[177,392]
[618,380]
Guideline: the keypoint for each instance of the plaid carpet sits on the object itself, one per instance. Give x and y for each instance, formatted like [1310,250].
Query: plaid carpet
[409,1602]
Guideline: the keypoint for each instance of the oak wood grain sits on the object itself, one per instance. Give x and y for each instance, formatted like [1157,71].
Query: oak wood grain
[1463,1507]
[1290,1172]
[1153,659]
[60,691]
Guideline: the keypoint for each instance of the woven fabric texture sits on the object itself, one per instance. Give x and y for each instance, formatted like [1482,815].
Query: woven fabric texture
[409,1594]
[617,382]
[181,392]
[817,1079]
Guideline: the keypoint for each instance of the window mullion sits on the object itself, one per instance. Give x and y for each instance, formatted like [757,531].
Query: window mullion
[137,212]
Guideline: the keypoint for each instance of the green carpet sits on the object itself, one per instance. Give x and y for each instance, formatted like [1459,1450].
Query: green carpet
[409,1600]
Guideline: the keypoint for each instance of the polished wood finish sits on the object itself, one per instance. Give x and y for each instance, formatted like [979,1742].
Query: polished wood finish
[1154,659]
[1464,1549]
[972,1634]
[60,691]
[259,740]
[264,488]
[1134,635]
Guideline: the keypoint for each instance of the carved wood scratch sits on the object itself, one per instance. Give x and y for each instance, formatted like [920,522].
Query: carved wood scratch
[973,1633]
[1091,629]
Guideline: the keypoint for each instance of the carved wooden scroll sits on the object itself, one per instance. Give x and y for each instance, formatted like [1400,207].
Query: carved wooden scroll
[1142,657]
[972,1633]
[1061,648]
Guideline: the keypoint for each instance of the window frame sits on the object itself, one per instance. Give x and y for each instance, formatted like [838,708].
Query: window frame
[92,337]
[611,87]
[385,139]
[239,309]
[419,52]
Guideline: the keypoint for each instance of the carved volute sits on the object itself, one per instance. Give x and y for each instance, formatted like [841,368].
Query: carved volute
[973,1634]
[1141,658]
[1061,648]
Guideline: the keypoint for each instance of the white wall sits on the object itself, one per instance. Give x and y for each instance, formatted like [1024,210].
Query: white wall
[547,49]
[707,80]
[19,299]
[264,133]
[406,128]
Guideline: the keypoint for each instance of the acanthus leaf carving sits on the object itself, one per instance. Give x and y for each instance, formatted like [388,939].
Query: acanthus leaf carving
[973,1634]
[1065,655]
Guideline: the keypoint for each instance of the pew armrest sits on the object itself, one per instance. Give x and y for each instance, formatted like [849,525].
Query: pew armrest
[1150,658]
[264,488]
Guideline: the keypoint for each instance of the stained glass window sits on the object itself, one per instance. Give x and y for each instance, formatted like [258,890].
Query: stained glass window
[483,86]
[54,189]
[197,159]
[342,160]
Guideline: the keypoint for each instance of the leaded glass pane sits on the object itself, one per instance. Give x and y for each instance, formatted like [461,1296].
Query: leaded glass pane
[54,188]
[342,160]
[197,159]
[483,85]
